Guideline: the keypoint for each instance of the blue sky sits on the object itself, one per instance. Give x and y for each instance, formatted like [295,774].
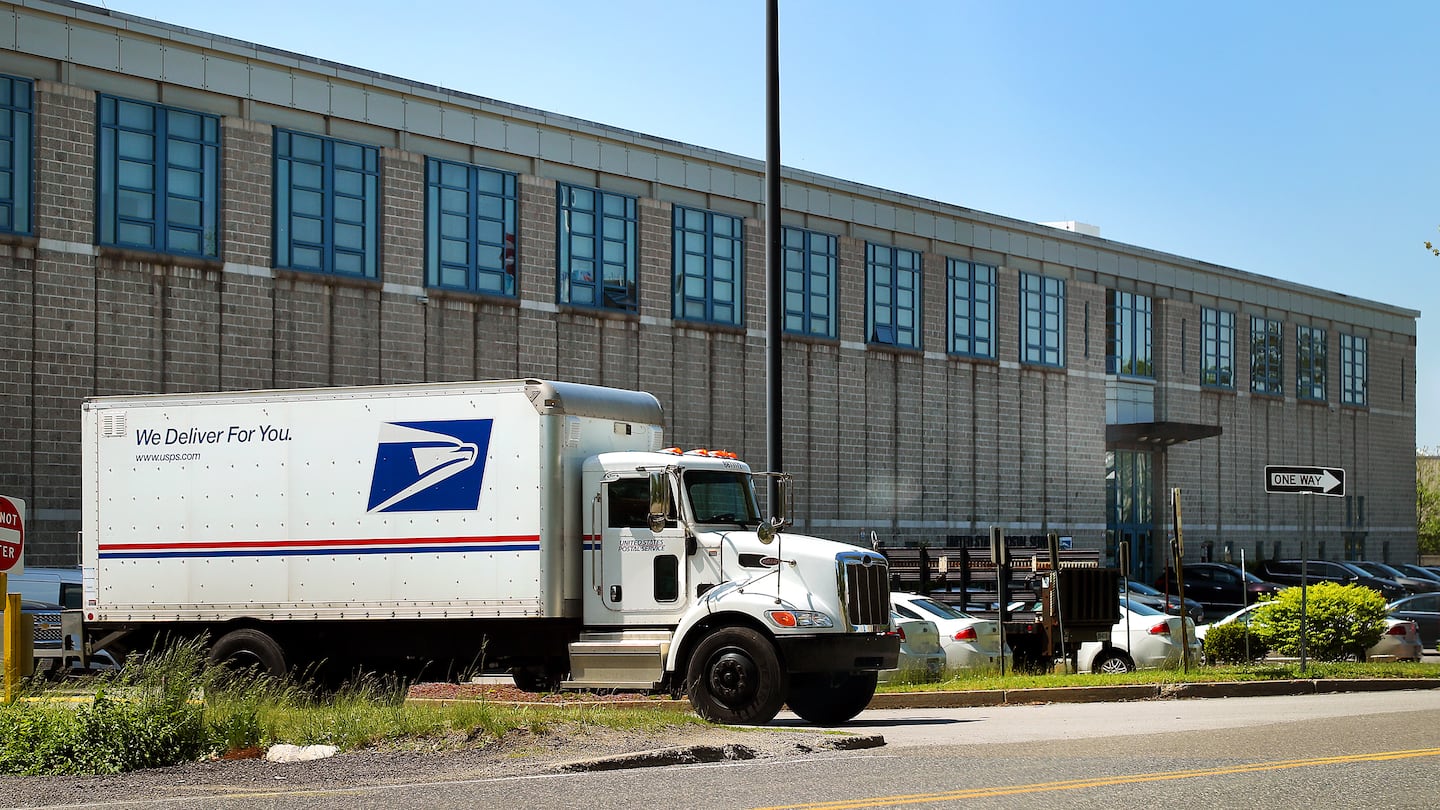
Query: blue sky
[1295,140]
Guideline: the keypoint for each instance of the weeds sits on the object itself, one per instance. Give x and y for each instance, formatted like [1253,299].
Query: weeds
[172,706]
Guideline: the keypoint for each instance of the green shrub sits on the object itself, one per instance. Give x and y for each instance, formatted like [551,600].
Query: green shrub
[1342,620]
[1234,643]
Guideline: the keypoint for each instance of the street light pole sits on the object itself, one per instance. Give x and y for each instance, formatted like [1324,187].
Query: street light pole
[774,269]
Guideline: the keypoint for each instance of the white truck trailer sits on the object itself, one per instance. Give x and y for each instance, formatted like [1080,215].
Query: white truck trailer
[535,525]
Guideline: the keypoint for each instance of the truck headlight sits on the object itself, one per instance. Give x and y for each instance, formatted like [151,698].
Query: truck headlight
[799,618]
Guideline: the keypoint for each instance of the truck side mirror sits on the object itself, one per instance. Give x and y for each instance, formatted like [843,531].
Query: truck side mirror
[659,500]
[781,512]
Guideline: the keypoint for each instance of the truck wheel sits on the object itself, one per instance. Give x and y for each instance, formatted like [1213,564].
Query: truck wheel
[829,700]
[735,677]
[246,648]
[535,679]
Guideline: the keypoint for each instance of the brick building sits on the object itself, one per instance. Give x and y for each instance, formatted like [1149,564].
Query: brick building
[180,211]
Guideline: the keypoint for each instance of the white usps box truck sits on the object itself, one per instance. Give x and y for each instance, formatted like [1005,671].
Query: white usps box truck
[540,526]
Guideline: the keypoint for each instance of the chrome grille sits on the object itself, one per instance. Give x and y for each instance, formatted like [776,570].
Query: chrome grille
[47,626]
[867,590]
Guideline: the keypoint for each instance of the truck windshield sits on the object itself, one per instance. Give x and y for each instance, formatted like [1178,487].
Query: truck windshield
[720,496]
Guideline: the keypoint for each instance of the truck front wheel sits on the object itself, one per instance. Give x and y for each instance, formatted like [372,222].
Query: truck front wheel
[829,700]
[247,647]
[735,677]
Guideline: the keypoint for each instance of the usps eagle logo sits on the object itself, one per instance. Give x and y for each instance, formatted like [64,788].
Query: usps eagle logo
[430,466]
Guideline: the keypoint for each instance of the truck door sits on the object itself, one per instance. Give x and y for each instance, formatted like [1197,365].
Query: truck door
[643,572]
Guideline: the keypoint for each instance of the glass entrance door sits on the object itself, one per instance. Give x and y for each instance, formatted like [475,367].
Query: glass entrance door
[1129,516]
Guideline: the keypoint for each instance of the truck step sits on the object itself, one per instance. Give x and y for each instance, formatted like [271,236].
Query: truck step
[625,660]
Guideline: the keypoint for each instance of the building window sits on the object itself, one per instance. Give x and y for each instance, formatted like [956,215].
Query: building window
[1354,370]
[1310,359]
[811,259]
[972,308]
[1127,334]
[893,280]
[469,228]
[327,195]
[709,266]
[15,114]
[1042,320]
[159,182]
[596,252]
[1217,338]
[1266,347]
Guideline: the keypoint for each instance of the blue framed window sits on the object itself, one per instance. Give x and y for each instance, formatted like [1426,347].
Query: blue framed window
[811,259]
[893,281]
[1128,323]
[1042,320]
[972,307]
[1266,351]
[1354,370]
[596,251]
[469,228]
[16,113]
[327,204]
[159,178]
[709,266]
[1310,359]
[1217,347]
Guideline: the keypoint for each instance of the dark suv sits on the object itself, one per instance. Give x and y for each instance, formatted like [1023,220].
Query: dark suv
[1222,588]
[1287,572]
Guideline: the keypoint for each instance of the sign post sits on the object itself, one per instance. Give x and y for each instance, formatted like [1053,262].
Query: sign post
[12,561]
[1285,480]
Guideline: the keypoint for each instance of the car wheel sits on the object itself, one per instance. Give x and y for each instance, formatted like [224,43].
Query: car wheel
[1112,663]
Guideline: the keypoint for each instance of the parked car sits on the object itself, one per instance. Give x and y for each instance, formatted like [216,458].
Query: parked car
[1287,572]
[1144,638]
[47,638]
[1161,601]
[1409,583]
[1219,587]
[921,656]
[969,642]
[1424,610]
[1419,572]
[1399,642]
[58,586]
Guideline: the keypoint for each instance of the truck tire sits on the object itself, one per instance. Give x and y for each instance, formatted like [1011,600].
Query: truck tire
[246,648]
[535,679]
[735,677]
[829,700]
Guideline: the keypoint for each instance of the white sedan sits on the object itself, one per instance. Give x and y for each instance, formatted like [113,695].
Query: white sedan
[969,642]
[1144,638]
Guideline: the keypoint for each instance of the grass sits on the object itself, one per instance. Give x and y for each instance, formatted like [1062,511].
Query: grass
[959,680]
[172,706]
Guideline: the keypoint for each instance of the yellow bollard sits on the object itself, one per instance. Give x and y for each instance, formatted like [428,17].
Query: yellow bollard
[11,647]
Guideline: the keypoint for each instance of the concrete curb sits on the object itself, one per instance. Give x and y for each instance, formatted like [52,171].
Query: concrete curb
[1124,692]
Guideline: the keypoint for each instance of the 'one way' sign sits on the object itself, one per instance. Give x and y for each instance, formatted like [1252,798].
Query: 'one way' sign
[1305,480]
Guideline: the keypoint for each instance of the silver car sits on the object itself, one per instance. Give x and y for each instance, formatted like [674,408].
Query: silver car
[922,658]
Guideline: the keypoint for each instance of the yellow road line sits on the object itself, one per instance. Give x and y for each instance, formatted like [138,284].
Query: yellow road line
[1076,784]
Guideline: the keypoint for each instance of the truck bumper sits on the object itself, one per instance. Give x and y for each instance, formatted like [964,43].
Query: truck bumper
[839,653]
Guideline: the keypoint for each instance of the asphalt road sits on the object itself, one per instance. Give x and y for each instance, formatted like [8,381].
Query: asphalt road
[1343,750]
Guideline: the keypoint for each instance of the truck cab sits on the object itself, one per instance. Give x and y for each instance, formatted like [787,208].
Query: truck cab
[677,556]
